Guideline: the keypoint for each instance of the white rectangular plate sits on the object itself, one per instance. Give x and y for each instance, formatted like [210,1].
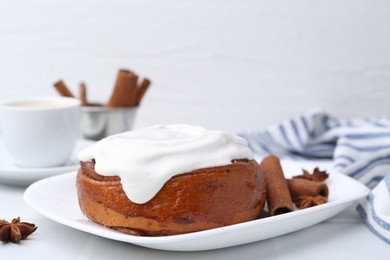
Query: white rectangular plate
[56,198]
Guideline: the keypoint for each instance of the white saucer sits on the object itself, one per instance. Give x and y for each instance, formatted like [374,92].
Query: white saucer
[14,175]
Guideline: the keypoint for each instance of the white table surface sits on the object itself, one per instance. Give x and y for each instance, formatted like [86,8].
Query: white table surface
[341,237]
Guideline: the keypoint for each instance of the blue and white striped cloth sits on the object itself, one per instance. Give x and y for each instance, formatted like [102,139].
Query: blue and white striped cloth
[359,147]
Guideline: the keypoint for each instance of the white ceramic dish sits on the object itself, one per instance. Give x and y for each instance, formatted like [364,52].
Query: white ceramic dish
[14,175]
[56,198]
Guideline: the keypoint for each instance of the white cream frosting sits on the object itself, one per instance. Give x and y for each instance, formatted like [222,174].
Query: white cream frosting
[147,158]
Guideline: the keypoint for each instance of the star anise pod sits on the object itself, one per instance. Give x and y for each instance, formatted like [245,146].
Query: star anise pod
[317,175]
[304,202]
[16,230]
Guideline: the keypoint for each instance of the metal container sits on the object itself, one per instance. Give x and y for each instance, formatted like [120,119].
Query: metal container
[97,122]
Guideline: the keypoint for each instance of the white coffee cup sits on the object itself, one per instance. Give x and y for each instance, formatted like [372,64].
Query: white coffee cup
[41,131]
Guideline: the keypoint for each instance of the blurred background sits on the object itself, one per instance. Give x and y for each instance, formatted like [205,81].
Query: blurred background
[224,64]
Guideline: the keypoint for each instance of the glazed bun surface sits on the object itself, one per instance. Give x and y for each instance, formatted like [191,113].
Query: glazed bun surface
[198,200]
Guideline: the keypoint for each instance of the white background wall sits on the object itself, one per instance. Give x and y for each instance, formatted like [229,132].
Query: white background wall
[219,63]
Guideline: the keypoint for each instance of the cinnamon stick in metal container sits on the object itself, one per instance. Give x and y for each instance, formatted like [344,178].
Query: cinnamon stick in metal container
[302,187]
[83,94]
[278,195]
[62,89]
[141,90]
[132,89]
[124,90]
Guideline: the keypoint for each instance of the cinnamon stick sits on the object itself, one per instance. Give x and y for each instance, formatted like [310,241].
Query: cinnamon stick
[124,90]
[132,90]
[302,187]
[141,90]
[278,195]
[83,94]
[62,89]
